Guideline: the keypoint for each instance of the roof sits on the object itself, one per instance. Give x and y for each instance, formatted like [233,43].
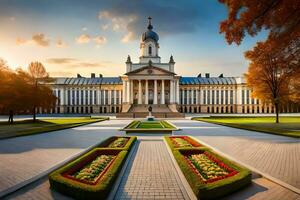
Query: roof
[89,81]
[207,81]
[118,81]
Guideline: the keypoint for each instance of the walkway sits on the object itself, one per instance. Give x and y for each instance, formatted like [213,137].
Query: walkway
[277,156]
[25,157]
[151,174]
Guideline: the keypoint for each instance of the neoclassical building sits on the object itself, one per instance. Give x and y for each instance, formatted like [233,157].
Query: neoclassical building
[152,82]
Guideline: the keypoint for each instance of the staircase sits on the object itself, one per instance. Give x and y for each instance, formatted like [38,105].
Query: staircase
[158,111]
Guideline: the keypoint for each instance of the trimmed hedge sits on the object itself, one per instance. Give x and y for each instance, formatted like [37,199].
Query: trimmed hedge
[215,189]
[101,189]
[109,140]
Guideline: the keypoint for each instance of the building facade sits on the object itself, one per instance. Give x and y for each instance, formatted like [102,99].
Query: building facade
[151,82]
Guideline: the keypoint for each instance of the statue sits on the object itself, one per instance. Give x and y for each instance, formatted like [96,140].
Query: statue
[150,117]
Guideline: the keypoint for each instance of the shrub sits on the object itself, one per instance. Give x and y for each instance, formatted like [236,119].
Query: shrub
[109,140]
[214,189]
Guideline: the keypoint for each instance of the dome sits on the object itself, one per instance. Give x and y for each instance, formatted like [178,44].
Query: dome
[149,34]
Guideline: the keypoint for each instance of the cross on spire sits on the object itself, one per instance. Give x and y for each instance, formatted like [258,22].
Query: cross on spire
[150,27]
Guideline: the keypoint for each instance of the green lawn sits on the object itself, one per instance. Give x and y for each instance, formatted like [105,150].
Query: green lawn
[150,125]
[288,126]
[28,127]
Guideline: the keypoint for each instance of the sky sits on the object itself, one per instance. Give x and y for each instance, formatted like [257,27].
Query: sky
[95,36]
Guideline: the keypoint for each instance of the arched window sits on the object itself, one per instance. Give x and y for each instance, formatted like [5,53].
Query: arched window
[150,50]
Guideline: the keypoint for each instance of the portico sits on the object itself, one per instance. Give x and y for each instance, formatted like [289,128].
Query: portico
[148,90]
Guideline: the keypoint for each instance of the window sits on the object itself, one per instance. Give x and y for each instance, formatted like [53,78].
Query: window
[112,97]
[77,97]
[195,96]
[180,94]
[82,97]
[150,50]
[73,98]
[95,97]
[222,97]
[213,98]
[185,96]
[217,97]
[204,96]
[208,96]
[248,96]
[231,96]
[243,97]
[226,97]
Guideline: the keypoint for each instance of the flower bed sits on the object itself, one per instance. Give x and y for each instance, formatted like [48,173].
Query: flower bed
[208,168]
[92,175]
[210,175]
[184,142]
[117,142]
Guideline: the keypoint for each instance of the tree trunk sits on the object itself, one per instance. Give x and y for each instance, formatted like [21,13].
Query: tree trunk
[11,117]
[34,114]
[277,112]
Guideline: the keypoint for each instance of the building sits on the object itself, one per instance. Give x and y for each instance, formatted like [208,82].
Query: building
[151,82]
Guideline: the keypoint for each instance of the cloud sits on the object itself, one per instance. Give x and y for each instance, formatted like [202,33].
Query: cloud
[60,43]
[168,18]
[39,39]
[85,38]
[100,40]
[84,29]
[61,60]
[82,39]
[74,63]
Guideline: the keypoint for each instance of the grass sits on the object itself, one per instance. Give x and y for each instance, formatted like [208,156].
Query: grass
[288,126]
[28,127]
[149,126]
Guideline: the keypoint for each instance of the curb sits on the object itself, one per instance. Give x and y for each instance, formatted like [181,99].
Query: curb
[45,173]
[181,176]
[113,191]
[267,176]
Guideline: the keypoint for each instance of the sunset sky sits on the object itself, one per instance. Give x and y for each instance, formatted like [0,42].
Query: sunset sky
[72,36]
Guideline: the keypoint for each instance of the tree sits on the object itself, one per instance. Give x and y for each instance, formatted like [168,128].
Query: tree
[42,95]
[268,75]
[279,55]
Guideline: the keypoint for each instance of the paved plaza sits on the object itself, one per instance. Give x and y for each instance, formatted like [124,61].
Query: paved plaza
[150,172]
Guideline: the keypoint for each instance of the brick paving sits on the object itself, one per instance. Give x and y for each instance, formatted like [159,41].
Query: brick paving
[278,156]
[151,174]
[25,157]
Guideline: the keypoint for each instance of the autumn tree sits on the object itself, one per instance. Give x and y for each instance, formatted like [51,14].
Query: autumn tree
[281,50]
[268,75]
[42,95]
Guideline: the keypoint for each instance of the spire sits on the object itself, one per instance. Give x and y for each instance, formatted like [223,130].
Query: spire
[171,59]
[150,27]
[128,59]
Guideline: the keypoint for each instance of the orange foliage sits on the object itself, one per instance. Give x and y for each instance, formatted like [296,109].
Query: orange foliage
[19,92]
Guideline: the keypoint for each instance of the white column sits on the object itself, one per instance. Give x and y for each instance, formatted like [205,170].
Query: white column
[146,92]
[79,98]
[131,91]
[187,96]
[171,92]
[66,96]
[92,96]
[115,95]
[128,91]
[201,96]
[124,91]
[155,92]
[162,92]
[140,93]
[109,97]
[71,97]
[98,96]
[177,91]
[104,98]
[120,95]
[62,96]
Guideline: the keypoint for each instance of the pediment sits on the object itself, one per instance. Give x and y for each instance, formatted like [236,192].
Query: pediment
[150,70]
